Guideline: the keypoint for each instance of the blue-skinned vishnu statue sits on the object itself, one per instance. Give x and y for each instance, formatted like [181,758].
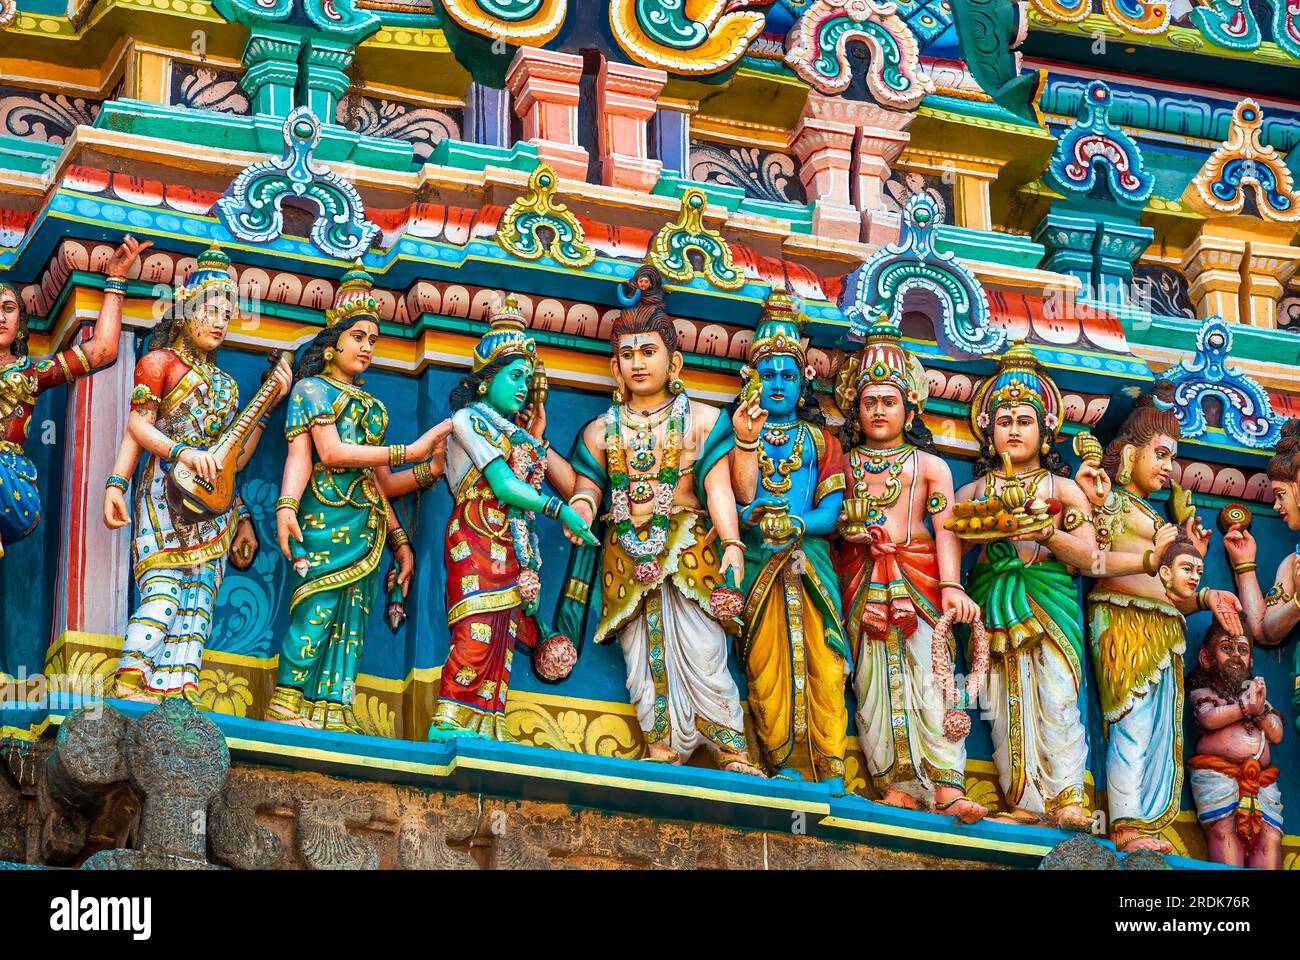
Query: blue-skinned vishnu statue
[790,472]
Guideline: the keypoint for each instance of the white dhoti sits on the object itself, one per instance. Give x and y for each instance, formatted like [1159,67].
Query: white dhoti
[900,716]
[1218,795]
[1040,746]
[1144,770]
[677,676]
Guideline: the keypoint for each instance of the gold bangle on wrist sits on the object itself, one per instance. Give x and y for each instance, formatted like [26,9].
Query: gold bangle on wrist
[1203,598]
[749,446]
[396,455]
[397,539]
[586,498]
[731,542]
[1149,563]
[953,584]
[1244,567]
[287,502]
[424,477]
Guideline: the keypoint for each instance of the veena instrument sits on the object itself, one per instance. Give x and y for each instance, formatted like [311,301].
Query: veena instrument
[199,499]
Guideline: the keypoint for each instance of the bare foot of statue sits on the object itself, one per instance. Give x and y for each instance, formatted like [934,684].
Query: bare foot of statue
[662,753]
[1127,841]
[952,802]
[277,714]
[124,691]
[897,798]
[735,763]
[1019,816]
[1074,818]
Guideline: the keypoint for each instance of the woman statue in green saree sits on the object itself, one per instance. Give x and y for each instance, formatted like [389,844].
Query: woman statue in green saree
[334,517]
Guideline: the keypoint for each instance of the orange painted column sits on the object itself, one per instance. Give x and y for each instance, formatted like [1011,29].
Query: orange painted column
[544,85]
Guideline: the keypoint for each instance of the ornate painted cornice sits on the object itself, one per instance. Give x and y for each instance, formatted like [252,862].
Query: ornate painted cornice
[1248,417]
[537,224]
[252,207]
[816,49]
[338,19]
[690,39]
[1095,159]
[911,275]
[1242,164]
[673,245]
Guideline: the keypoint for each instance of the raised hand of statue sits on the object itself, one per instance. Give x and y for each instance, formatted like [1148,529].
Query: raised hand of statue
[125,255]
[748,421]
[244,547]
[432,442]
[283,374]
[201,462]
[577,527]
[955,600]
[533,422]
[1094,481]
[1239,545]
[286,526]
[116,514]
[1166,534]
[1226,609]
[403,572]
[1197,533]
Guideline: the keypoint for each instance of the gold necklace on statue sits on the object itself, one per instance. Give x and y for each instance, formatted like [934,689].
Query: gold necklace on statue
[783,468]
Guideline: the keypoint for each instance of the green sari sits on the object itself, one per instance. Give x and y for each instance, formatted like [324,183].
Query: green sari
[344,524]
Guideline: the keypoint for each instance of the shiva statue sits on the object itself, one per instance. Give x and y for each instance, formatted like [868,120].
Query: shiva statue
[495,469]
[1026,591]
[1272,617]
[672,538]
[794,651]
[23,379]
[899,577]
[182,402]
[334,515]
[1136,631]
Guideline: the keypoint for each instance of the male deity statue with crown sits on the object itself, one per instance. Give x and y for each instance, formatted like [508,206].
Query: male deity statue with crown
[1025,587]
[899,577]
[792,478]
[672,538]
[181,404]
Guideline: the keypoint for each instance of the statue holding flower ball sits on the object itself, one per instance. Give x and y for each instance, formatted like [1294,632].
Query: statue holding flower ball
[672,552]
[495,469]
[1033,527]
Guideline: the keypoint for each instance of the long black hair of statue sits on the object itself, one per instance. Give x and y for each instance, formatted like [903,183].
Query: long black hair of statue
[312,363]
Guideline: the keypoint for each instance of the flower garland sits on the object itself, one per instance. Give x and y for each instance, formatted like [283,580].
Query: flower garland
[956,723]
[528,463]
[645,552]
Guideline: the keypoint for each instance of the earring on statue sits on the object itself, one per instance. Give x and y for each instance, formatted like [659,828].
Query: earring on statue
[1124,476]
[677,386]
[1046,447]
[329,356]
[482,389]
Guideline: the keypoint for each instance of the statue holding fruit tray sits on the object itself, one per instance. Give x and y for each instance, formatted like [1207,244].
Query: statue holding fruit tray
[900,581]
[1033,528]
[792,480]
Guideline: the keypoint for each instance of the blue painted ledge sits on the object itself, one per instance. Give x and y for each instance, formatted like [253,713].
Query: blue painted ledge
[516,771]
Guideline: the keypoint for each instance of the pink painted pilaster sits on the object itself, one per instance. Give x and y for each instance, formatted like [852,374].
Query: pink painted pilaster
[882,135]
[93,589]
[544,85]
[823,140]
[625,102]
